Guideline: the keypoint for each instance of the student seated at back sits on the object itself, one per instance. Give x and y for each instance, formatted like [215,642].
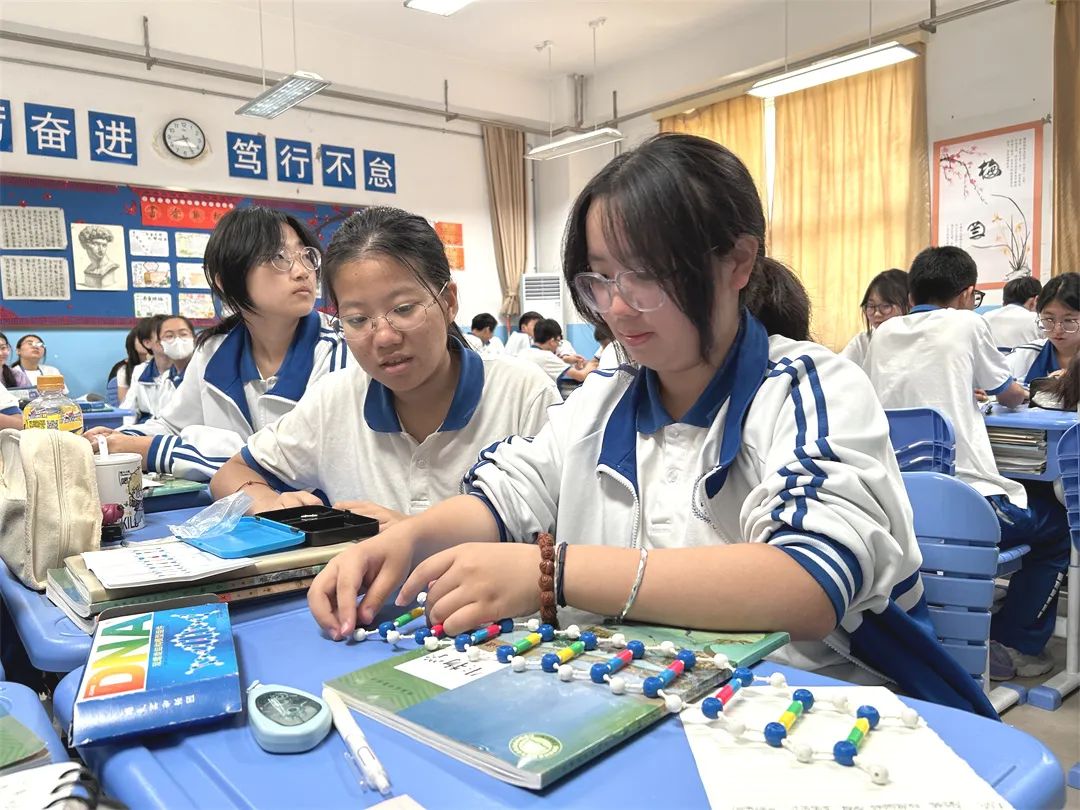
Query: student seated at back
[155,381]
[32,353]
[482,337]
[547,337]
[395,433]
[10,377]
[1058,309]
[518,342]
[936,357]
[739,478]
[1014,323]
[10,414]
[886,297]
[252,367]
[139,346]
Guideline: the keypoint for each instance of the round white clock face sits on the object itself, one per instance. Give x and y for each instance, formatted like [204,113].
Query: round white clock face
[184,138]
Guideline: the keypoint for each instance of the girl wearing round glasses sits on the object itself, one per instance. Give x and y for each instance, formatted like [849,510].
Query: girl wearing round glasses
[735,479]
[396,432]
[32,353]
[1058,313]
[252,367]
[886,297]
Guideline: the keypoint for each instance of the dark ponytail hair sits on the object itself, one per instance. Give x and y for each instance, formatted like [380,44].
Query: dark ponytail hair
[244,238]
[406,238]
[670,207]
[7,376]
[891,286]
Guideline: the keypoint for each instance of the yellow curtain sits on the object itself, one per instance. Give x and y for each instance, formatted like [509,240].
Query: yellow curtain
[504,159]
[851,188]
[1065,248]
[738,124]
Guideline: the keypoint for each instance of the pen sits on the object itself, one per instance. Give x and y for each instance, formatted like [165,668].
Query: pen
[374,774]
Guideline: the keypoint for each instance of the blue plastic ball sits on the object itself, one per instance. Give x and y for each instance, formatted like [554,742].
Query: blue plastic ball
[462,641]
[598,672]
[550,662]
[421,634]
[504,653]
[871,715]
[774,734]
[547,632]
[711,707]
[844,752]
[636,647]
[589,639]
[506,626]
[385,628]
[744,676]
[651,686]
[805,697]
[688,658]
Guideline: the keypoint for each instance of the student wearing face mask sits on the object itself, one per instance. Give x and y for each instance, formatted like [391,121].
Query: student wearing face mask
[154,381]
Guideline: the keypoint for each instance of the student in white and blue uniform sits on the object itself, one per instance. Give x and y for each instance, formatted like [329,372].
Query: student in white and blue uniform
[394,433]
[10,415]
[1058,308]
[886,297]
[252,368]
[1013,323]
[770,501]
[935,357]
[154,382]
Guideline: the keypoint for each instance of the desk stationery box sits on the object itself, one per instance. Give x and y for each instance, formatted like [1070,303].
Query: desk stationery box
[154,671]
[531,728]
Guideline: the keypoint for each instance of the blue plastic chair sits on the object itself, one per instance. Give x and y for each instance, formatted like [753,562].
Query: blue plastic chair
[923,440]
[111,390]
[1069,463]
[958,534]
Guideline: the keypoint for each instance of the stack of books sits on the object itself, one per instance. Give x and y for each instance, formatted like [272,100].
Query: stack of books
[1018,450]
[80,594]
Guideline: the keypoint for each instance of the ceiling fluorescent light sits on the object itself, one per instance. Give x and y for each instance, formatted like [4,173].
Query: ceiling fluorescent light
[442,7]
[575,143]
[287,93]
[830,70]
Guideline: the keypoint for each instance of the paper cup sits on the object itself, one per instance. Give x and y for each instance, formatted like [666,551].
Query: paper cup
[119,480]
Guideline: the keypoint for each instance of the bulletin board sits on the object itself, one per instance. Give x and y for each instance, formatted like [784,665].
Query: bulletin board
[76,253]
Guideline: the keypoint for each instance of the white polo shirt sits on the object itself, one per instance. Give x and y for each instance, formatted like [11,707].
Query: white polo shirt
[857,348]
[517,343]
[9,406]
[1012,325]
[549,362]
[344,440]
[935,358]
[151,390]
[493,346]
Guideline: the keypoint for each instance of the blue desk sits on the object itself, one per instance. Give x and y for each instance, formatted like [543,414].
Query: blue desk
[50,640]
[221,766]
[111,419]
[24,705]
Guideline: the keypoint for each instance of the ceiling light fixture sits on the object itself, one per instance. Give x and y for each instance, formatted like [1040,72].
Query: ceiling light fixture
[298,86]
[580,141]
[444,8]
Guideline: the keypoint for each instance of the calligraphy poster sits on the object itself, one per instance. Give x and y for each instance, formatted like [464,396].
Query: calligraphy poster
[197,306]
[32,227]
[34,278]
[151,274]
[451,234]
[191,276]
[100,257]
[149,304]
[987,200]
[149,243]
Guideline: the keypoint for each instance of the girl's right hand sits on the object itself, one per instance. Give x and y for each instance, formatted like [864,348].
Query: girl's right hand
[92,434]
[273,501]
[376,567]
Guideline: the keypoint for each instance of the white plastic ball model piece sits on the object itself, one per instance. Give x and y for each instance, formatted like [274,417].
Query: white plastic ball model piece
[566,673]
[393,636]
[803,752]
[910,717]
[673,703]
[518,663]
[421,598]
[473,653]
[619,640]
[360,634]
[618,685]
[777,680]
[431,643]
[533,625]
[879,774]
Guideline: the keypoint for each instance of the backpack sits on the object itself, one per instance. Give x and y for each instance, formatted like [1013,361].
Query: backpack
[49,506]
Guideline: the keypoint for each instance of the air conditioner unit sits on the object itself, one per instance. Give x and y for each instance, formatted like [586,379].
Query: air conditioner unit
[543,293]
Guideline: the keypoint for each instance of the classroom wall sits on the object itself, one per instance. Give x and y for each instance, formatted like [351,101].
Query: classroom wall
[440,175]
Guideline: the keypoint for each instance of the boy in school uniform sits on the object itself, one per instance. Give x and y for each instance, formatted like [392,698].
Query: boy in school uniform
[547,337]
[1015,323]
[520,341]
[482,337]
[936,356]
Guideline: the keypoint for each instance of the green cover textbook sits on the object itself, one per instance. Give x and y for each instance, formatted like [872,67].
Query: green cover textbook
[530,728]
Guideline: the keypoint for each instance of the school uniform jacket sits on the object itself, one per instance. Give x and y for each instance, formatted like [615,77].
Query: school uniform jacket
[790,449]
[9,406]
[151,390]
[1033,360]
[223,399]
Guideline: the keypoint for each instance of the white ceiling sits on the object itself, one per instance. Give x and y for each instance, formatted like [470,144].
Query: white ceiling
[504,33]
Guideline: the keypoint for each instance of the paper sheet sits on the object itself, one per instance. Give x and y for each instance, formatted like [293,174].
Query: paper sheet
[923,771]
[149,243]
[159,564]
[34,278]
[147,304]
[151,274]
[197,306]
[32,228]
[191,244]
[191,276]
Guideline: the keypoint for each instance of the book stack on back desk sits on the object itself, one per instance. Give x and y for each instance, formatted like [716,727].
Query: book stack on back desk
[80,595]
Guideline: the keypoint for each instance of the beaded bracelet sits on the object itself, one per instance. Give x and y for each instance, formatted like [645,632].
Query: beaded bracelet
[548,610]
[560,574]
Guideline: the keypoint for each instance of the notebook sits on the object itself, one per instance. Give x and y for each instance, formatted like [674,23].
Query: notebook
[19,746]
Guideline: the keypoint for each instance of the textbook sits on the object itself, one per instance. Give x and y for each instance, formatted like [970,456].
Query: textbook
[155,671]
[530,728]
[19,746]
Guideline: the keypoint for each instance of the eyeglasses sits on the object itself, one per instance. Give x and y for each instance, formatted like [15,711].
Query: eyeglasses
[309,257]
[183,333]
[977,297]
[403,318]
[35,344]
[1069,326]
[882,309]
[640,290]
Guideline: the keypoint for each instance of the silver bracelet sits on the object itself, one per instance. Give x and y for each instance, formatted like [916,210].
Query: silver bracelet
[637,584]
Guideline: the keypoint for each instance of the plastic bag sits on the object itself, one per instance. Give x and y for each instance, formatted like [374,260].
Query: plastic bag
[220,517]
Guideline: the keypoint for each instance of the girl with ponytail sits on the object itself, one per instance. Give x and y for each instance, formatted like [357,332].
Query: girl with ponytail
[739,477]
[252,367]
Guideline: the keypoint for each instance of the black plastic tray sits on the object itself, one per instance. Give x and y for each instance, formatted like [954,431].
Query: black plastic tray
[323,526]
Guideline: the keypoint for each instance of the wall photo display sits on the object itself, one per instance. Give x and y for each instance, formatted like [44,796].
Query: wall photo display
[100,257]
